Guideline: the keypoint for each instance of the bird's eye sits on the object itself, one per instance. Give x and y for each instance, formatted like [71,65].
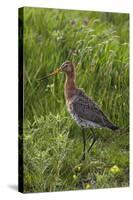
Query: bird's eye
[64,66]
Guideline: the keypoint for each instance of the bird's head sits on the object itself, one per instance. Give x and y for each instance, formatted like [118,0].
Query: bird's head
[66,67]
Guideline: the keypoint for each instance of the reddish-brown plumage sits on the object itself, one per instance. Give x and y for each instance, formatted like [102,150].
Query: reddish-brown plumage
[70,86]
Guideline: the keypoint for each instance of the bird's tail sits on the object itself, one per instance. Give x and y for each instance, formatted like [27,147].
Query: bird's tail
[113,127]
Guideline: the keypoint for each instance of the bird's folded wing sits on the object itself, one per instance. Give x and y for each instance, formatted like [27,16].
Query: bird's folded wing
[85,108]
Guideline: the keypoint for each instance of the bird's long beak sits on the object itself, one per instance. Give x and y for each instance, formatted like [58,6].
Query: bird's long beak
[51,74]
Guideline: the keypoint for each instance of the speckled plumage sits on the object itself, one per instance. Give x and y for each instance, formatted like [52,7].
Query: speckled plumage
[86,113]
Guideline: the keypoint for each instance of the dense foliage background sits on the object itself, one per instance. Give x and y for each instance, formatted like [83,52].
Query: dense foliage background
[98,45]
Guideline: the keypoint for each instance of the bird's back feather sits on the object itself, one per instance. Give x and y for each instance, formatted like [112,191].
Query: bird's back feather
[82,106]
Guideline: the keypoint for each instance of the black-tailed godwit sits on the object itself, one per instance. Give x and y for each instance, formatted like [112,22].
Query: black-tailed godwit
[82,109]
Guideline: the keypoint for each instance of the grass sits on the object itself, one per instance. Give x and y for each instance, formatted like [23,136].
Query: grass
[98,45]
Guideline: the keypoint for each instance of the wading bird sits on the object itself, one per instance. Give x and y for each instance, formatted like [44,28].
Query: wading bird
[82,109]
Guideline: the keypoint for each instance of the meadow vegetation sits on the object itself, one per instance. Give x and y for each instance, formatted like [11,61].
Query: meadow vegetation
[98,45]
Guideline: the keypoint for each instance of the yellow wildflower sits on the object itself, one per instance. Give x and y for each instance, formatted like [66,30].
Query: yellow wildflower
[74,177]
[79,168]
[115,169]
[87,186]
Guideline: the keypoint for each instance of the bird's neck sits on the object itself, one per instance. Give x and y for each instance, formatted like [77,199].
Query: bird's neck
[70,86]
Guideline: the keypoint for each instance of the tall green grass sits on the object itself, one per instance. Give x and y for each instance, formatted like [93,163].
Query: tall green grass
[98,45]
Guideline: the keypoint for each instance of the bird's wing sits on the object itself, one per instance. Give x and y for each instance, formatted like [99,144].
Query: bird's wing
[88,110]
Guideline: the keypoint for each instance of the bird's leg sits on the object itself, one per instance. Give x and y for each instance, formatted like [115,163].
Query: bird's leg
[93,141]
[84,143]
